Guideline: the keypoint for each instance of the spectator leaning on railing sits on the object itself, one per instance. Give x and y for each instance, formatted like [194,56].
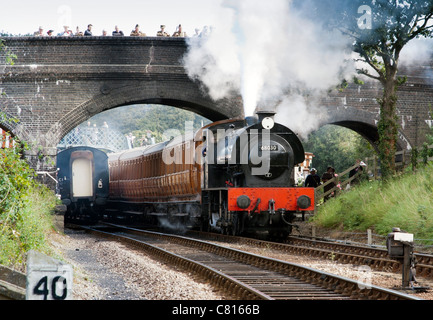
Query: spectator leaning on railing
[116,33]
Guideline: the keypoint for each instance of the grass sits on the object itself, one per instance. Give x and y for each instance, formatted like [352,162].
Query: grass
[405,202]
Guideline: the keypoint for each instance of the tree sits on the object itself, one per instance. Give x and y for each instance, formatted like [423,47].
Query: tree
[337,147]
[380,29]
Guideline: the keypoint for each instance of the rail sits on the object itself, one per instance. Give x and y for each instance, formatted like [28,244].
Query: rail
[342,288]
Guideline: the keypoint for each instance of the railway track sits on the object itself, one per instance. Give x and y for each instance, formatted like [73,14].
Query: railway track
[244,275]
[375,258]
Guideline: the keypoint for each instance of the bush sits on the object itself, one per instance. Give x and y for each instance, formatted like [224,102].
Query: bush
[25,209]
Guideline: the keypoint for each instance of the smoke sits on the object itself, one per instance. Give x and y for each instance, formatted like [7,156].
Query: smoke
[417,52]
[212,58]
[301,116]
[265,51]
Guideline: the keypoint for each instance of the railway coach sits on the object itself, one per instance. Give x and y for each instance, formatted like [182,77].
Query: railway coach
[83,181]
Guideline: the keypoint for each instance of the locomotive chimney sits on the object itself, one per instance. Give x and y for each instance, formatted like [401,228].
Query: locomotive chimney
[265,114]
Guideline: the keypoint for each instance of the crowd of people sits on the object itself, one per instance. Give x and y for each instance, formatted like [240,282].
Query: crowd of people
[136,32]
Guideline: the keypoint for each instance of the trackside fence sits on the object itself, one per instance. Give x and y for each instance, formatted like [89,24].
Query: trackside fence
[342,181]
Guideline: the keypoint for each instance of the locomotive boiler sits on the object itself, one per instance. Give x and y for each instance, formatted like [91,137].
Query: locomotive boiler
[234,175]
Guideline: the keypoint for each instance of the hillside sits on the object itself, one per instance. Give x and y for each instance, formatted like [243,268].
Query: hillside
[405,202]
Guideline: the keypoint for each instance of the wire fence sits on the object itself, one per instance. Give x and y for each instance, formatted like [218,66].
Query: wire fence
[106,139]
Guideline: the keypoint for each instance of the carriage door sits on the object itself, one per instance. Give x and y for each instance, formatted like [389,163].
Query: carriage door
[82,174]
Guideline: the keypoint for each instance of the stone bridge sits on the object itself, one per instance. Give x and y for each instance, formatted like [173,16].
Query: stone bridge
[58,83]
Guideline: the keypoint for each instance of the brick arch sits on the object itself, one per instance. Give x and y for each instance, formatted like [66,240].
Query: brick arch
[180,94]
[14,128]
[362,122]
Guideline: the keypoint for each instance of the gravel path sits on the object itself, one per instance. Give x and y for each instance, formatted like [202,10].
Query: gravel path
[107,270]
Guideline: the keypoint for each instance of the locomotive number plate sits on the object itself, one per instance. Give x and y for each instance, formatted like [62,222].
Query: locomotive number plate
[272,147]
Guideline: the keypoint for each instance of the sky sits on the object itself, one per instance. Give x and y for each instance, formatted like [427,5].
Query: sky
[25,16]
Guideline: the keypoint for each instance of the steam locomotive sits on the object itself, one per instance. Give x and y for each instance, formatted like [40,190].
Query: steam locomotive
[235,176]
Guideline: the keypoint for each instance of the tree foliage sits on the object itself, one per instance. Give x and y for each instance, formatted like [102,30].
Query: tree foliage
[337,147]
[5,55]
[153,119]
[25,208]
[380,29]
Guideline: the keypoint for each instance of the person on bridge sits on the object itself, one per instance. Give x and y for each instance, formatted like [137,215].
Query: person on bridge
[66,32]
[137,33]
[88,32]
[39,33]
[117,32]
[162,33]
[79,33]
[179,32]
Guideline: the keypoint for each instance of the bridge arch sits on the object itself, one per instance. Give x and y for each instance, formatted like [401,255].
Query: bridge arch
[181,94]
[362,122]
[12,125]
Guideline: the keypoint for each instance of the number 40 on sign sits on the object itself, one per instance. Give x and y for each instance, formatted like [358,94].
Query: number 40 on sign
[47,278]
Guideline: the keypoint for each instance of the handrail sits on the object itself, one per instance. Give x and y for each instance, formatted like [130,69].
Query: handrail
[403,157]
[339,183]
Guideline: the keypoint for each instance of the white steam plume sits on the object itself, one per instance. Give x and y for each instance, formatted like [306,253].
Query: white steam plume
[417,52]
[264,50]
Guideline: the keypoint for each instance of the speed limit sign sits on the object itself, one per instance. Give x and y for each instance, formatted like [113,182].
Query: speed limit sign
[47,278]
